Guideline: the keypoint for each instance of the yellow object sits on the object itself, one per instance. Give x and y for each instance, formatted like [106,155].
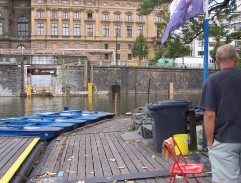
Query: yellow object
[13,169]
[90,89]
[90,103]
[182,142]
[29,90]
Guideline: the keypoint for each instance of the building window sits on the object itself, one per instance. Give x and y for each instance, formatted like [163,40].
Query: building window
[106,46]
[21,47]
[76,15]
[90,15]
[40,29]
[1,28]
[118,46]
[128,17]
[23,26]
[118,56]
[129,31]
[158,18]
[118,30]
[1,14]
[105,4]
[236,44]
[40,1]
[66,46]
[65,29]
[105,16]
[106,30]
[200,44]
[76,30]
[139,18]
[117,4]
[117,17]
[76,1]
[54,1]
[65,15]
[129,46]
[40,45]
[65,1]
[40,14]
[76,46]
[106,56]
[54,14]
[159,32]
[54,29]
[90,46]
[128,5]
[140,30]
[129,56]
[200,53]
[89,30]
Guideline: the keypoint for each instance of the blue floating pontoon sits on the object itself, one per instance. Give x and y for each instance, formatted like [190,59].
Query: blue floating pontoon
[43,132]
[50,124]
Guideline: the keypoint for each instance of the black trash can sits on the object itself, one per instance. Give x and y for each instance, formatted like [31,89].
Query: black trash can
[170,117]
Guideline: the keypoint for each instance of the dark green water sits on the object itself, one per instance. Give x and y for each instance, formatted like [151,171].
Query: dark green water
[16,106]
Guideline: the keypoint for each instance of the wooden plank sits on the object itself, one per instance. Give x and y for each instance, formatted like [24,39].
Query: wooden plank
[120,162]
[74,163]
[103,157]
[82,158]
[44,156]
[137,161]
[69,158]
[54,155]
[132,176]
[19,158]
[110,156]
[141,158]
[62,155]
[89,172]
[8,143]
[96,157]
[12,154]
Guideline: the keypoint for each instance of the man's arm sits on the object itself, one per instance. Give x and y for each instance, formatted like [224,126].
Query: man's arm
[209,124]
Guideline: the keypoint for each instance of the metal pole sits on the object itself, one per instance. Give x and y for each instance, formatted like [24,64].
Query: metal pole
[116,59]
[205,71]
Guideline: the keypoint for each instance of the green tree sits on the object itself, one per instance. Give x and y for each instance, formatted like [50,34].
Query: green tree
[193,29]
[140,48]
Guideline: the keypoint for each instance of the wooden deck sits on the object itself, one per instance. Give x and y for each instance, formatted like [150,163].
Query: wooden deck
[13,152]
[100,154]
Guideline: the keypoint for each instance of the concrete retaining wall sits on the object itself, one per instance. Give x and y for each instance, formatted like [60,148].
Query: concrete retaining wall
[130,79]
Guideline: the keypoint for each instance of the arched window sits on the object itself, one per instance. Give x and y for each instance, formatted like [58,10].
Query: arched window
[23,26]
[21,47]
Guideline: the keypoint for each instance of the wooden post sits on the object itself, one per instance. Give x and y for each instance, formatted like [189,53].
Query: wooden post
[23,92]
[193,133]
[171,90]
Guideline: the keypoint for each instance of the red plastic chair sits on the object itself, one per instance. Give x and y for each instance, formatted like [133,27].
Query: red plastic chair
[182,168]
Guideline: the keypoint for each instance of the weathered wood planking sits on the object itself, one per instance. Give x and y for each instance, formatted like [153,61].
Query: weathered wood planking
[100,151]
[11,148]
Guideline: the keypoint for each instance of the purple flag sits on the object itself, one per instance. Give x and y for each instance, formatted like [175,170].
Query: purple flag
[185,10]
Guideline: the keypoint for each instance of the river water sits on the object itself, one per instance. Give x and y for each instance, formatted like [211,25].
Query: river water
[17,106]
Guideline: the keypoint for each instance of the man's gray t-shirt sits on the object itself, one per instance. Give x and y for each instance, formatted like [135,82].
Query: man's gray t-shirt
[222,94]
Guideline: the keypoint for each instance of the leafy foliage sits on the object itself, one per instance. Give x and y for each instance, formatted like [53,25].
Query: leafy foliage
[140,48]
[221,15]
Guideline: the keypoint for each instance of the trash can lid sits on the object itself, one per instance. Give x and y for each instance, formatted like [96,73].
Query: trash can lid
[169,104]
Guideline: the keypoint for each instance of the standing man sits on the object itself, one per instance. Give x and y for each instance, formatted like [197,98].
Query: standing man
[221,102]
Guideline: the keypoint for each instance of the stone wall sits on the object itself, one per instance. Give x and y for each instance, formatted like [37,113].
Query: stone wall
[134,79]
[130,79]
[10,82]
